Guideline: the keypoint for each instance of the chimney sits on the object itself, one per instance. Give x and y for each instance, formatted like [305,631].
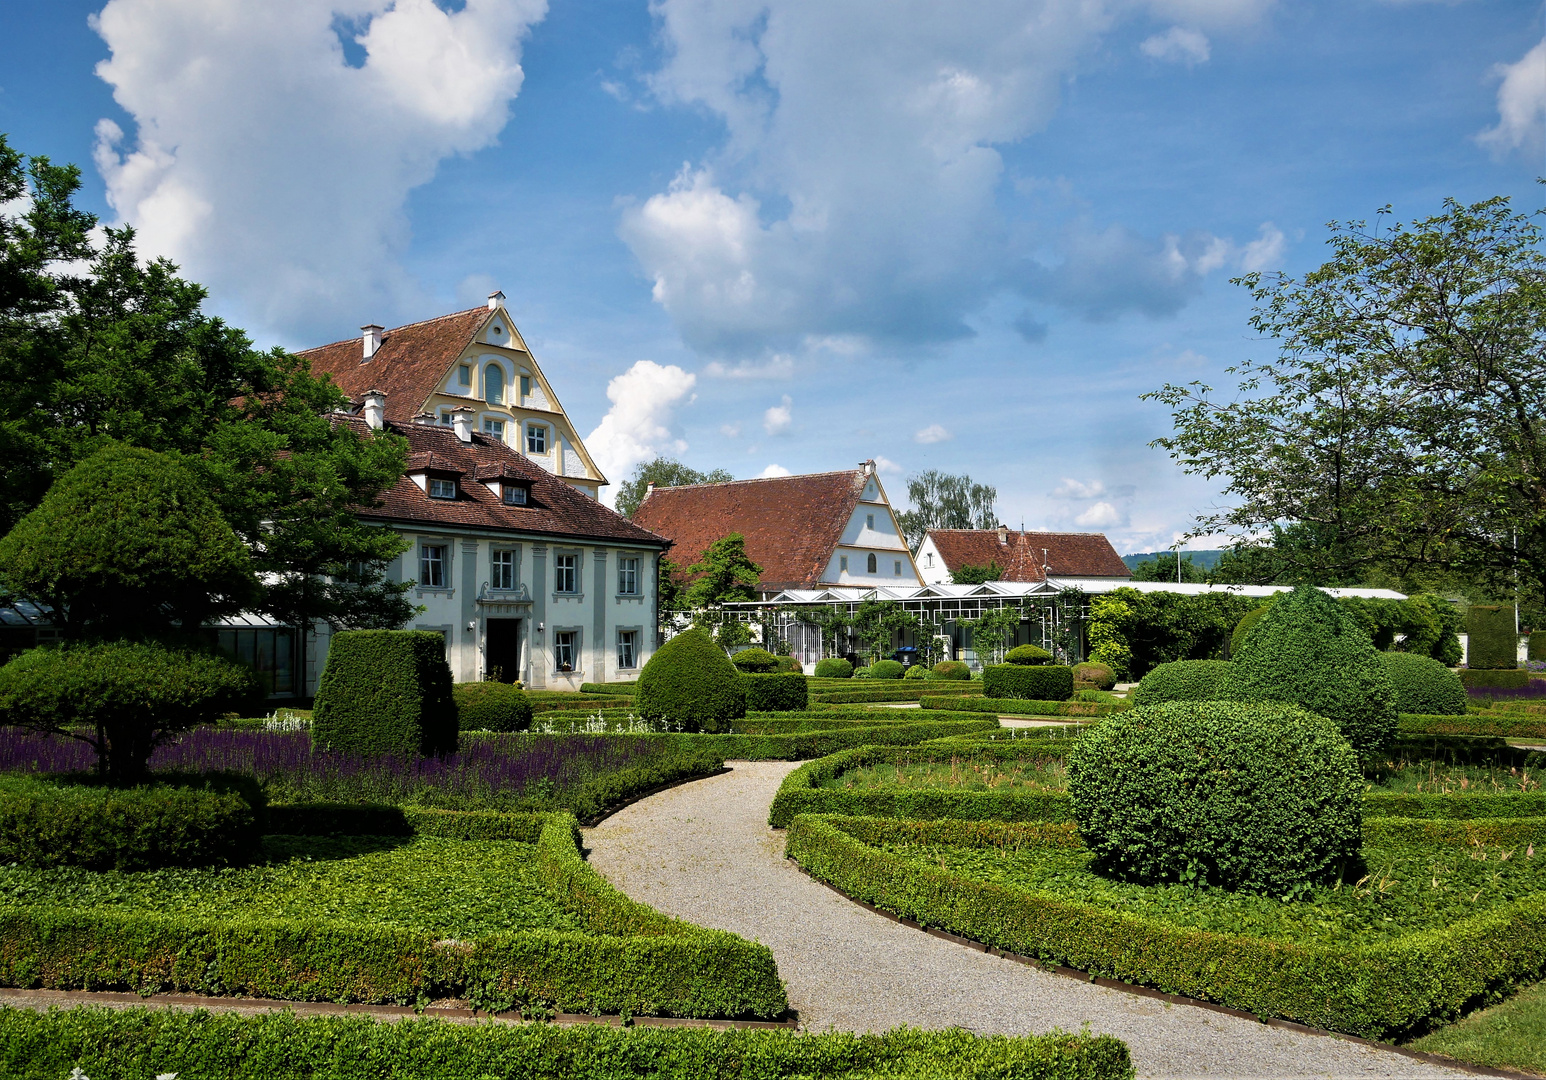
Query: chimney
[495,298]
[461,419]
[1003,534]
[649,489]
[372,336]
[423,418]
[375,410]
[867,468]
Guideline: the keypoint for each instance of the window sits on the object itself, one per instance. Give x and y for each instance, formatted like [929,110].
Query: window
[869,521]
[494,384]
[869,564]
[563,650]
[271,653]
[515,495]
[566,573]
[442,489]
[504,570]
[842,563]
[536,439]
[525,387]
[495,428]
[930,557]
[628,577]
[627,645]
[896,568]
[432,566]
[447,419]
[464,375]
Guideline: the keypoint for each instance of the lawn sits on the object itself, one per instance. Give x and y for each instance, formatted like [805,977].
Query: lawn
[1507,1036]
[450,888]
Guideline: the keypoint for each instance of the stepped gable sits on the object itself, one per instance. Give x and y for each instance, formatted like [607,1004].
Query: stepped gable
[555,508]
[1020,553]
[792,524]
[409,366]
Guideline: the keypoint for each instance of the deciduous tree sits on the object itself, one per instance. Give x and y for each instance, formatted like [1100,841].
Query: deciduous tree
[943,501]
[662,472]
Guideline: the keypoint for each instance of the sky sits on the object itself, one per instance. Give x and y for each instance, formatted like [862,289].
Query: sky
[790,236]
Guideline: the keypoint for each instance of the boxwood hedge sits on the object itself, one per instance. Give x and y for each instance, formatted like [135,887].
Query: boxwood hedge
[834,667]
[1030,655]
[1043,682]
[887,669]
[783,691]
[1423,685]
[1015,707]
[1495,679]
[1492,637]
[1181,680]
[690,684]
[385,692]
[491,706]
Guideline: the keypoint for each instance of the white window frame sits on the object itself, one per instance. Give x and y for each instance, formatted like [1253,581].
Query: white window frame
[628,638]
[440,489]
[514,495]
[628,565]
[573,570]
[575,642]
[534,433]
[441,561]
[500,561]
[495,426]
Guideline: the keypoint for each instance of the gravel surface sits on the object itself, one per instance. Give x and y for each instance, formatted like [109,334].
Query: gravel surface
[704,852]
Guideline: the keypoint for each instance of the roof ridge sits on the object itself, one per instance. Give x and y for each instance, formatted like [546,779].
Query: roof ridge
[393,329]
[755,480]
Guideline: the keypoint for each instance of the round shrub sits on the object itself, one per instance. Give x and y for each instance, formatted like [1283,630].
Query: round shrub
[789,663]
[954,670]
[834,667]
[916,671]
[1262,798]
[1027,654]
[886,669]
[1244,627]
[1181,680]
[1423,685]
[755,661]
[862,673]
[1042,682]
[491,706]
[1307,651]
[53,821]
[779,691]
[1095,675]
[690,685]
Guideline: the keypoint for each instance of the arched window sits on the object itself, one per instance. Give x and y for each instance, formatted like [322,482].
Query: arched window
[494,384]
[870,566]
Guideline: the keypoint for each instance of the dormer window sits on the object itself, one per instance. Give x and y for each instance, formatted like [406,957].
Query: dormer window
[442,489]
[515,495]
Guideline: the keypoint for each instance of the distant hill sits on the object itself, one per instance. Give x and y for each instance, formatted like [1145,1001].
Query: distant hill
[1204,560]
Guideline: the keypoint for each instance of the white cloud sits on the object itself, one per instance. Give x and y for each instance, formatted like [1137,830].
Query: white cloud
[776,367]
[276,171]
[886,465]
[1078,489]
[932,434]
[638,425]
[776,420]
[773,470]
[1101,516]
[1521,107]
[1178,45]
[730,431]
[1265,252]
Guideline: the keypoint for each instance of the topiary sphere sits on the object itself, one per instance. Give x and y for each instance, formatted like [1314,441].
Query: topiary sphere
[1307,651]
[1181,680]
[690,685]
[1027,654]
[886,669]
[834,667]
[1096,674]
[755,661]
[1425,686]
[954,670]
[491,706]
[789,664]
[1261,798]
[916,671]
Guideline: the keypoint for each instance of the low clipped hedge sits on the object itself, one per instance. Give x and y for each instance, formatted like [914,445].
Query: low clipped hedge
[215,820]
[1016,707]
[1423,685]
[783,691]
[624,689]
[690,684]
[1375,991]
[491,706]
[897,690]
[1044,682]
[1495,679]
[833,667]
[283,1046]
[385,692]
[1181,680]
[632,959]
[887,669]
[1503,725]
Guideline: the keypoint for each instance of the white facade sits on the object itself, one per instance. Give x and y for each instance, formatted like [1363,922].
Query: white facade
[871,551]
[931,564]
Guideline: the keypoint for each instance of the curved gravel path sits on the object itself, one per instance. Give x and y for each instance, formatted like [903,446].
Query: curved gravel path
[704,852]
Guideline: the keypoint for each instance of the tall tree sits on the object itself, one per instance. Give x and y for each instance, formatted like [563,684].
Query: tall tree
[662,472]
[1402,420]
[943,501]
[1163,568]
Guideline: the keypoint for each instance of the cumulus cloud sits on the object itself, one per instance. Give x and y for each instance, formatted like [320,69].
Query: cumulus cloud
[1102,515]
[1078,489]
[886,465]
[638,425]
[1521,123]
[1265,252]
[773,470]
[1178,45]
[932,434]
[730,431]
[275,144]
[777,420]
[776,367]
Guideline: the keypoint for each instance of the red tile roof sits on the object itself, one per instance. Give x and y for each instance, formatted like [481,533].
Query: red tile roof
[1020,556]
[554,509]
[408,367]
[792,524]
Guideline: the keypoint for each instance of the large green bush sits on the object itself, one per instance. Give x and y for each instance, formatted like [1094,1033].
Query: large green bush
[789,663]
[1028,655]
[385,692]
[916,671]
[1258,797]
[953,670]
[886,669]
[1181,680]
[178,821]
[1244,627]
[690,685]
[1308,651]
[1424,685]
[491,706]
[755,661]
[834,667]
[1044,682]
[1492,640]
[1095,674]
[125,697]
[779,691]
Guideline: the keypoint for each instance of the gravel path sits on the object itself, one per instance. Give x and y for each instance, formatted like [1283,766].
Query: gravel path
[704,852]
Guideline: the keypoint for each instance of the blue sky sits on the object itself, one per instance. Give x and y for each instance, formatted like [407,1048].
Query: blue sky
[793,235]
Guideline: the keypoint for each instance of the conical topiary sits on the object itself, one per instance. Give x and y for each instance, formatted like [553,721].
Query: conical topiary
[690,685]
[1307,651]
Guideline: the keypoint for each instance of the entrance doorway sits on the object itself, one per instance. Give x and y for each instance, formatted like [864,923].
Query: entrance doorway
[502,650]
